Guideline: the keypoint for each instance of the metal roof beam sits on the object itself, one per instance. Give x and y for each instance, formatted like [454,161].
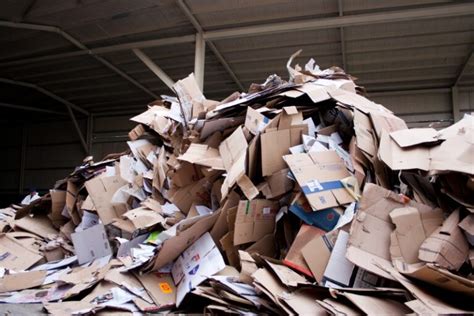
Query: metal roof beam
[45,92]
[154,68]
[29,108]
[78,44]
[343,21]
[440,11]
[463,68]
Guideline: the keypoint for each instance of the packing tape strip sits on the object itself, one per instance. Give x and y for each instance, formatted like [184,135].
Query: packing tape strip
[314,186]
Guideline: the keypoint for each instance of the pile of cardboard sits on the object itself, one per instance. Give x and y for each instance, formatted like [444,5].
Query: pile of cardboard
[298,197]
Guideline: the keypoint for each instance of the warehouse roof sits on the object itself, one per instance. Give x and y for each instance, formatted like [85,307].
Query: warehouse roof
[79,53]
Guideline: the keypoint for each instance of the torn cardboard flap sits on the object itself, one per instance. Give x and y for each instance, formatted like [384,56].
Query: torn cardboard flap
[101,191]
[454,154]
[446,246]
[319,174]
[369,241]
[254,220]
[411,228]
[204,155]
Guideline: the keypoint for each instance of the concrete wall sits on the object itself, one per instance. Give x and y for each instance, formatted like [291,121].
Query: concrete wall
[52,148]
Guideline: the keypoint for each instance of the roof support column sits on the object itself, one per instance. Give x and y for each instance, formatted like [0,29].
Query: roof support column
[199,60]
[455,104]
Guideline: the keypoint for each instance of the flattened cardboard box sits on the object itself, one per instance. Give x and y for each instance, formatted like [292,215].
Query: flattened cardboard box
[319,174]
[254,220]
[14,256]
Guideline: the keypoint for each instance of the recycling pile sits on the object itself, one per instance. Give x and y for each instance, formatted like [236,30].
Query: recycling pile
[297,197]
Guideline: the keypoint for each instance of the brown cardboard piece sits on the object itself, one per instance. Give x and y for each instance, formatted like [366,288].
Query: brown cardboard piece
[233,151]
[290,116]
[319,174]
[467,225]
[365,134]
[248,267]
[275,144]
[286,275]
[21,281]
[440,277]
[101,189]
[72,193]
[454,154]
[414,136]
[377,306]
[432,304]
[38,225]
[446,246]
[174,246]
[277,184]
[58,201]
[265,246]
[295,258]
[412,228]
[254,220]
[203,155]
[386,121]
[142,218]
[317,252]
[14,256]
[369,242]
[160,287]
